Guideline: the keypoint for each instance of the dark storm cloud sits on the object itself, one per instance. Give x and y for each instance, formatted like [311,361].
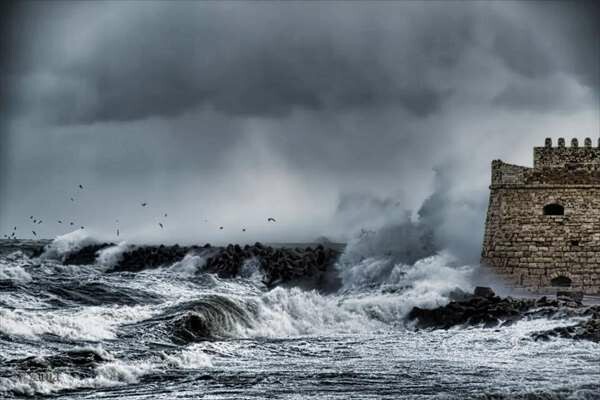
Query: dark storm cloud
[8,22]
[237,110]
[259,59]
[523,52]
[572,28]
[267,59]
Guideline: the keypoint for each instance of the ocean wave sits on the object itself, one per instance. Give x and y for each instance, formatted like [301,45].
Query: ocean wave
[48,375]
[192,357]
[64,245]
[109,257]
[15,273]
[90,323]
[189,266]
[114,373]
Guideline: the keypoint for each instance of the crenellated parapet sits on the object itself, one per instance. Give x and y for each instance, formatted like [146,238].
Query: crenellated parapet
[561,165]
[562,156]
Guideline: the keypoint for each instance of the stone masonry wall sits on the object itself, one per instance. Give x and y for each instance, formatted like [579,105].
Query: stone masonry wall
[561,156]
[530,248]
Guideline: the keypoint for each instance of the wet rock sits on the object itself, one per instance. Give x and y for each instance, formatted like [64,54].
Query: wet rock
[483,291]
[459,295]
[86,255]
[586,330]
[308,267]
[576,297]
[489,311]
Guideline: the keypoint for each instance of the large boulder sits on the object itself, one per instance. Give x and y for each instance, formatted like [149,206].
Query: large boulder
[483,291]
[486,309]
[586,330]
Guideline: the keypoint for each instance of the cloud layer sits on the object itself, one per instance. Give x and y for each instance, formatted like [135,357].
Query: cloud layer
[325,115]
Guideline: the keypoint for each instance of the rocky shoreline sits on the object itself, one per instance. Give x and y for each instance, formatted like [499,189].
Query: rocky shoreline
[310,267]
[484,308]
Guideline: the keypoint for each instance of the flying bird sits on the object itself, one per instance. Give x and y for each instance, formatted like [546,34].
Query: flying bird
[59,221]
[144,204]
[39,222]
[271,219]
[117,232]
[72,199]
[82,227]
[34,234]
[243,229]
[80,186]
[71,223]
[221,227]
[31,217]
[165,215]
[161,225]
[35,221]
[15,228]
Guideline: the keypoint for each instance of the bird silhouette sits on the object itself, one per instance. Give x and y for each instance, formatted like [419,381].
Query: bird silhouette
[221,227]
[117,232]
[31,217]
[165,215]
[72,199]
[34,234]
[271,219]
[15,228]
[161,225]
[59,221]
[71,223]
[35,221]
[80,186]
[243,229]
[82,227]
[39,222]
[144,204]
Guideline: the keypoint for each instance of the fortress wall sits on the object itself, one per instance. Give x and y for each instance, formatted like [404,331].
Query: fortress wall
[530,248]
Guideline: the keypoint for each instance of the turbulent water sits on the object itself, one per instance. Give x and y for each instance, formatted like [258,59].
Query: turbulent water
[77,332]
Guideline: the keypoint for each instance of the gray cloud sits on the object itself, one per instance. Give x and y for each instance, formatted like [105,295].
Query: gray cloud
[329,116]
[263,59]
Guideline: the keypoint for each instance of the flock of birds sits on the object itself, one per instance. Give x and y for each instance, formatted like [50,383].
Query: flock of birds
[36,221]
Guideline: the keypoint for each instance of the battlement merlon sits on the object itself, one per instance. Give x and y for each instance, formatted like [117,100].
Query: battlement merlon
[561,156]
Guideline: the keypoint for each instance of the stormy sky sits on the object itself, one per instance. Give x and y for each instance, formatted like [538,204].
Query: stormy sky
[329,117]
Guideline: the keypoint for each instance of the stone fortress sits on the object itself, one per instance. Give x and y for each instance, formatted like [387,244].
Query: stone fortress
[542,229]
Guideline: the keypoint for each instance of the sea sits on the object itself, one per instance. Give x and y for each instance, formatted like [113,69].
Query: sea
[82,332]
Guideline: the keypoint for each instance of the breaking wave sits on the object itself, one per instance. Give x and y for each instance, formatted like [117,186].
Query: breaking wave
[90,323]
[64,245]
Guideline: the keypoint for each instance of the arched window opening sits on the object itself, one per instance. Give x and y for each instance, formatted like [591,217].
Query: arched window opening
[554,209]
[561,281]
